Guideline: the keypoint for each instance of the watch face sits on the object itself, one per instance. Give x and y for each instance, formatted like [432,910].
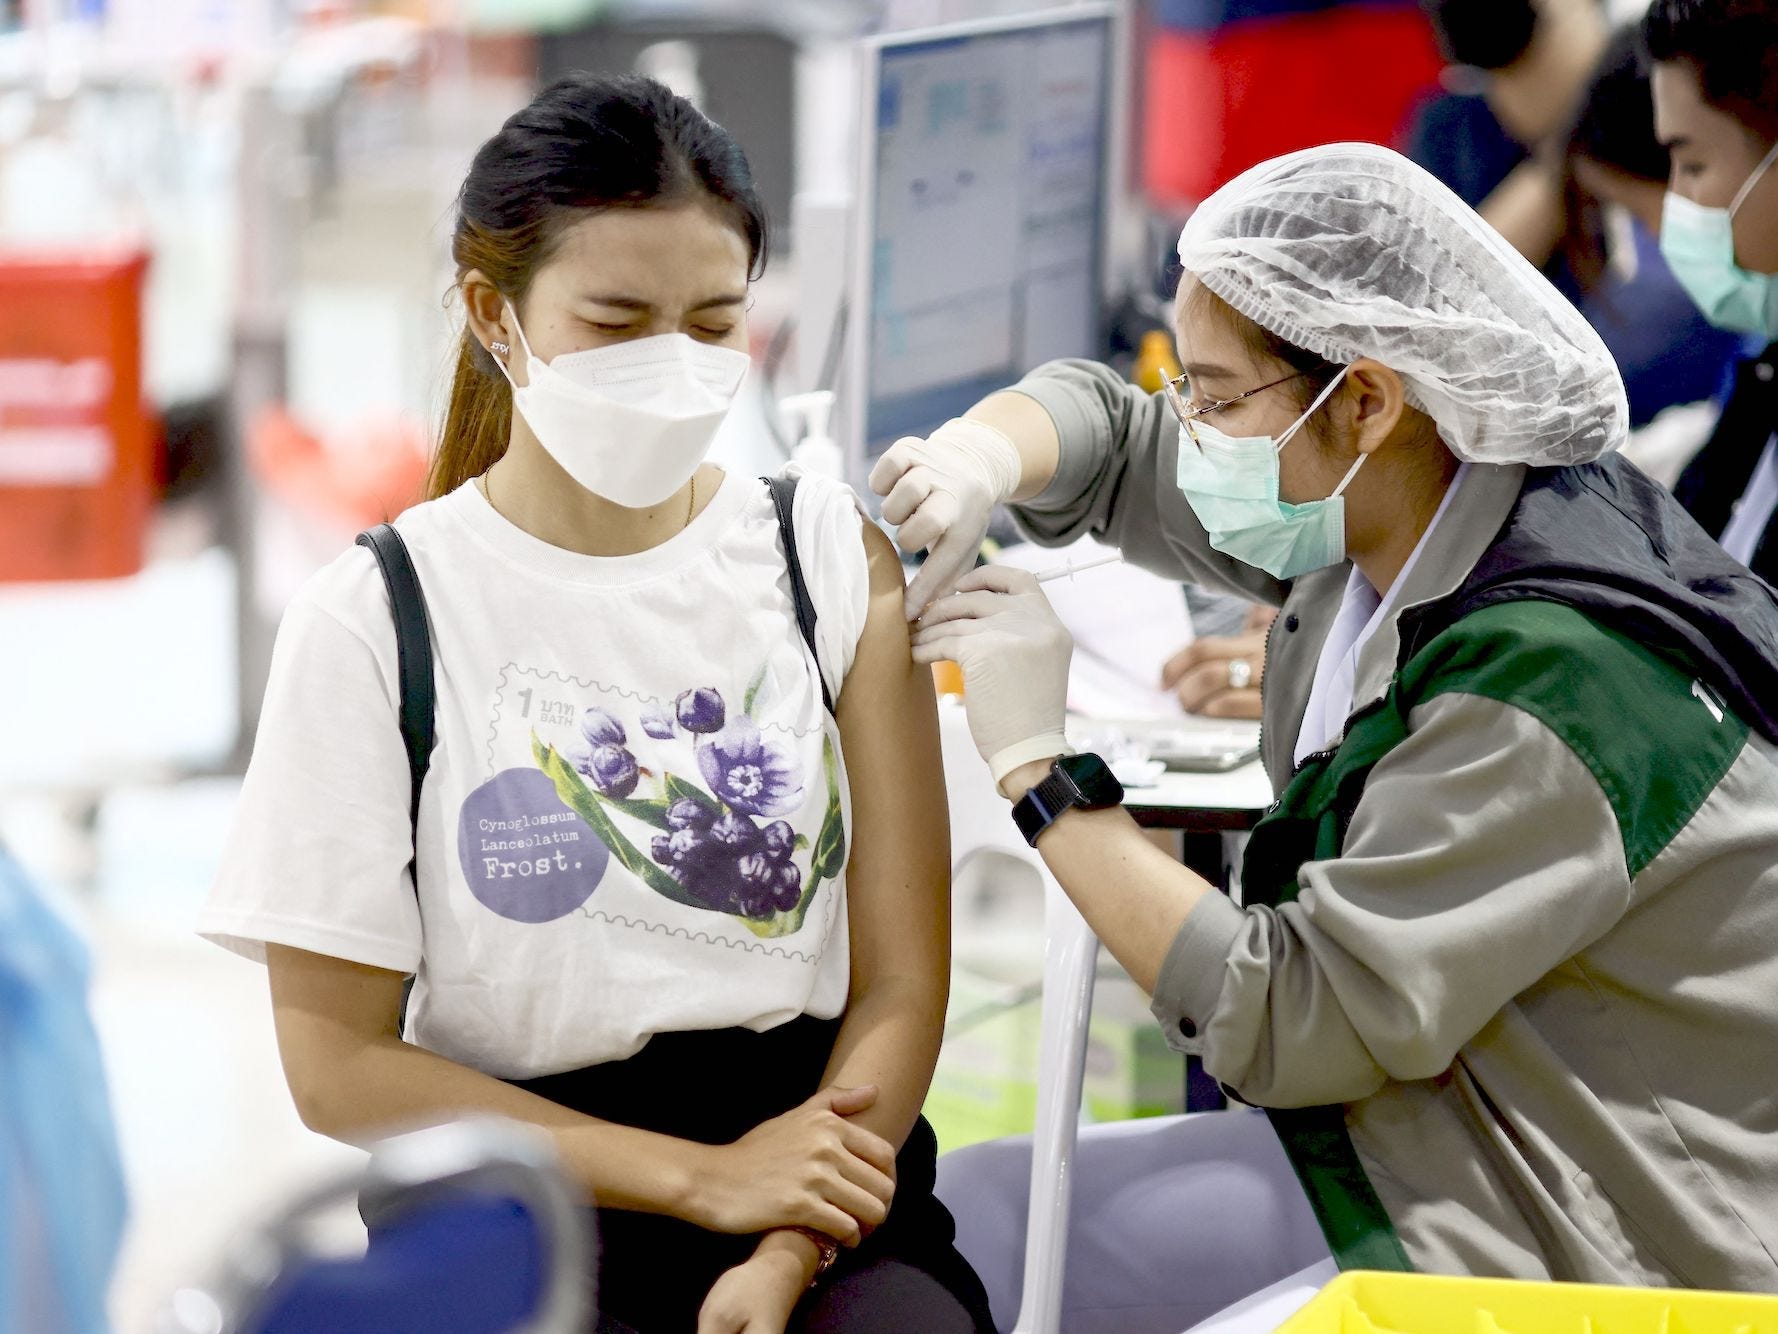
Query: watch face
[1092,777]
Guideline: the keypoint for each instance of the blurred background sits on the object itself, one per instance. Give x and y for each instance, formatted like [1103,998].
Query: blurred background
[199,197]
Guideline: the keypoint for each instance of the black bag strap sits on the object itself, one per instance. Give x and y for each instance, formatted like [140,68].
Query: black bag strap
[413,668]
[413,653]
[783,491]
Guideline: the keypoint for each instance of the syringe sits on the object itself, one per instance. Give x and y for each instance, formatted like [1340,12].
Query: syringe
[1064,571]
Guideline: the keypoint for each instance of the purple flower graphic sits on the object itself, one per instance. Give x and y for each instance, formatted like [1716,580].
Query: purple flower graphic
[657,721]
[775,885]
[735,833]
[613,771]
[749,773]
[683,847]
[722,844]
[729,863]
[688,814]
[600,728]
[578,754]
[701,710]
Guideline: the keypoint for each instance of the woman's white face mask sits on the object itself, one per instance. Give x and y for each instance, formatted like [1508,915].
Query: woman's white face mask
[632,421]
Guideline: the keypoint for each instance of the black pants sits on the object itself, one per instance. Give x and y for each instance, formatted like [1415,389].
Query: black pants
[882,1297]
[713,1087]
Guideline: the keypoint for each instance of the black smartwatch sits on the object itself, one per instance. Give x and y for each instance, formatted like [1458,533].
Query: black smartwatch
[1075,782]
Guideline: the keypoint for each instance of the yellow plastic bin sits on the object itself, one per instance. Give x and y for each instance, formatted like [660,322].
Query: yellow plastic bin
[1372,1303]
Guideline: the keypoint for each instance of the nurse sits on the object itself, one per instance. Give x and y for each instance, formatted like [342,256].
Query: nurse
[1506,977]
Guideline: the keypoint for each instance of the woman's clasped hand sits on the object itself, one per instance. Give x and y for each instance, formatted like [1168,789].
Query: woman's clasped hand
[810,1167]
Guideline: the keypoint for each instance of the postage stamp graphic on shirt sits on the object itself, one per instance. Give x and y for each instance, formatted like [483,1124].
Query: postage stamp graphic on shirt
[690,795]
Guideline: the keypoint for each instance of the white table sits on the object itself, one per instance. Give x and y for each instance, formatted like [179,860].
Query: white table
[1203,803]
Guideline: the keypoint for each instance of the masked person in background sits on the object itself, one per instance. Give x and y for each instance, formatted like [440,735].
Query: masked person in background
[1505,976]
[642,908]
[1716,108]
[1560,89]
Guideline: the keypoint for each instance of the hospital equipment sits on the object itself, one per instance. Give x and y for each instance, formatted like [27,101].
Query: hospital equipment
[989,157]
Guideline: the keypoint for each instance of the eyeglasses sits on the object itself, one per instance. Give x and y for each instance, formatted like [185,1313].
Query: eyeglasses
[1188,412]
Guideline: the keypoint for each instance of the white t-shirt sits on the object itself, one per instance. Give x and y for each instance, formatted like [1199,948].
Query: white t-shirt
[674,698]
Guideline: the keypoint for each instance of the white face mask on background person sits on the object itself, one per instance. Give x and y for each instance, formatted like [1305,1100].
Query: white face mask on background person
[631,421]
[1698,244]
[1231,484]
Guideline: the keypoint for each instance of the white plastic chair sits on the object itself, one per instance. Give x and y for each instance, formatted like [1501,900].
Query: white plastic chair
[979,823]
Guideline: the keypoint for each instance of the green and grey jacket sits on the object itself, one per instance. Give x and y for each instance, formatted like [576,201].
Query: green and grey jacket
[1506,973]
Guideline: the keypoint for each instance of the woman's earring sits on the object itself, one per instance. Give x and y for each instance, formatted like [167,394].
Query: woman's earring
[501,348]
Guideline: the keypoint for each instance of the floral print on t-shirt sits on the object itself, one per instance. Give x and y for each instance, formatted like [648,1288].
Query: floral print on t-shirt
[721,844]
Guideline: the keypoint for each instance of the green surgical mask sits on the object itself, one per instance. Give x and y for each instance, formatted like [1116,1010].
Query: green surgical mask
[1698,244]
[1231,483]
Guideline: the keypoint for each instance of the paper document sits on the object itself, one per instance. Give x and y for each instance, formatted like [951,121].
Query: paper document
[1126,623]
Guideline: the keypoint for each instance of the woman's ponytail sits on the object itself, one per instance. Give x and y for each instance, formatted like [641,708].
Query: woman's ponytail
[478,422]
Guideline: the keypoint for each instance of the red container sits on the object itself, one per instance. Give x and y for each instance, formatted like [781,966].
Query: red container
[76,446]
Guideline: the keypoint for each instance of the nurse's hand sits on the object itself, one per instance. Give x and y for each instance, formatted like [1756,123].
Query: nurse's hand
[940,493]
[810,1167]
[1014,652]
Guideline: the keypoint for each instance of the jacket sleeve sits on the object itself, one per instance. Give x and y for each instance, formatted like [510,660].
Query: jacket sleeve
[1117,480]
[1482,855]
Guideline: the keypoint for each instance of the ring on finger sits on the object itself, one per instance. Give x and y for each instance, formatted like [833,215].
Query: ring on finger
[1240,673]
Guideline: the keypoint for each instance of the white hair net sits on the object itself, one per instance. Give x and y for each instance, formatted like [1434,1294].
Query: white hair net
[1350,250]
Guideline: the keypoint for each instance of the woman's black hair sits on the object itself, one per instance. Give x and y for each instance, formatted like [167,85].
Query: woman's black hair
[586,142]
[1733,46]
[590,141]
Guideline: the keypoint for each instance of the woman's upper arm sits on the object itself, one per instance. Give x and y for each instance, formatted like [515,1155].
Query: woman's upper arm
[323,1009]
[898,876]
[321,993]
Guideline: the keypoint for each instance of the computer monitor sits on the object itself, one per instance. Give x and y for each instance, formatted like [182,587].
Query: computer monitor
[989,160]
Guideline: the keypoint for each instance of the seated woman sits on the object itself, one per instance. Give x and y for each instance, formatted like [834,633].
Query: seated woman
[640,906]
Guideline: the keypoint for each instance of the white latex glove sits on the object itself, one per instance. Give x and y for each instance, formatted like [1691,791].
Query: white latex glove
[940,493]
[1014,652]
